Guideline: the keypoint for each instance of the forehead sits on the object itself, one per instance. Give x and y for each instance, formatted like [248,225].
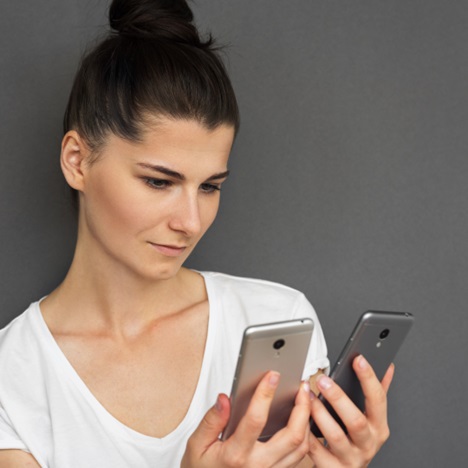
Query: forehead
[180,134]
[176,143]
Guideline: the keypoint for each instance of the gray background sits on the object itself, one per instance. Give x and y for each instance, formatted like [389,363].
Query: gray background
[349,175]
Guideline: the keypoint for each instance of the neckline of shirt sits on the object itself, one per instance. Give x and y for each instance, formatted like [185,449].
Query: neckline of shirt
[106,417]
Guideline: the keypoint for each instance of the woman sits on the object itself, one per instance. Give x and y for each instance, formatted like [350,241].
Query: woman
[127,362]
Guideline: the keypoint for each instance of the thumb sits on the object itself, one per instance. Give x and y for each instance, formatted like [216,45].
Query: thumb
[211,425]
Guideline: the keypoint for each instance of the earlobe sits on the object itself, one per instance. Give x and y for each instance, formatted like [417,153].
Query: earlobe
[72,159]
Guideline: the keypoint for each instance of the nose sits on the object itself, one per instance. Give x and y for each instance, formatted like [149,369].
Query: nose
[186,215]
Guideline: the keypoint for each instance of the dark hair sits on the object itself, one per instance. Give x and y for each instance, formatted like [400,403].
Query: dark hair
[152,63]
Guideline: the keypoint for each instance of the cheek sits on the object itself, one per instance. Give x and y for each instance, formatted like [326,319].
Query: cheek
[114,208]
[210,210]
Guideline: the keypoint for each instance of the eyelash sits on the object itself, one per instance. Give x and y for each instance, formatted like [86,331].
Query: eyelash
[161,184]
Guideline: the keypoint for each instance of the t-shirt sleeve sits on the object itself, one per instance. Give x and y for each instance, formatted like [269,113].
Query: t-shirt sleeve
[9,439]
[317,356]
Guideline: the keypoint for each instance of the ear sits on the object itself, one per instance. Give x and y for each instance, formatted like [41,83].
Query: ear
[73,158]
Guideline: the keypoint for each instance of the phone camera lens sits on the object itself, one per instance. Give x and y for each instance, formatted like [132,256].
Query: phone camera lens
[278,344]
[384,334]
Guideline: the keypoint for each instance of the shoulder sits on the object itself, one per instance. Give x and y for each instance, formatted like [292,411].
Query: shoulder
[238,302]
[256,296]
[246,286]
[19,326]
[18,341]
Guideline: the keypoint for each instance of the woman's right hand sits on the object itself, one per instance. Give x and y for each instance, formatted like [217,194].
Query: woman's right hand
[285,449]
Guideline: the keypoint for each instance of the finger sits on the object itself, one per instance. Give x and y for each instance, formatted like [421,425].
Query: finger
[211,425]
[319,454]
[290,444]
[374,392]
[329,427]
[295,457]
[388,377]
[251,425]
[300,415]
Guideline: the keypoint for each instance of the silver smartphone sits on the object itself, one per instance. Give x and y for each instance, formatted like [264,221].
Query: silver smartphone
[281,347]
[377,336]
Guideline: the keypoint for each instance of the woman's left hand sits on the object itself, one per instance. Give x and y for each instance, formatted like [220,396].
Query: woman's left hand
[366,432]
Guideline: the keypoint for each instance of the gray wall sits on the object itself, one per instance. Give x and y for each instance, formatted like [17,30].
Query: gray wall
[349,176]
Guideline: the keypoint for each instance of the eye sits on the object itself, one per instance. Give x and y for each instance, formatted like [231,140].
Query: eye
[158,184]
[210,188]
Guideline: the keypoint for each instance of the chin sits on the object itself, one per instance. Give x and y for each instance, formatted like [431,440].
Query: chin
[162,273]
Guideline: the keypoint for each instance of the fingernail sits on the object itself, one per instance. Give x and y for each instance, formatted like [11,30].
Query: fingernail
[312,395]
[219,405]
[274,379]
[306,386]
[362,363]
[324,382]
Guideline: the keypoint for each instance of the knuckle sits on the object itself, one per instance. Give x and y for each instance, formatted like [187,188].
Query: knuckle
[296,440]
[255,421]
[358,424]
[336,437]
[265,393]
[314,445]
[208,421]
[237,460]
[385,434]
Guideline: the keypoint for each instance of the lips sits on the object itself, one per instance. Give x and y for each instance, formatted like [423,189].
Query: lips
[169,250]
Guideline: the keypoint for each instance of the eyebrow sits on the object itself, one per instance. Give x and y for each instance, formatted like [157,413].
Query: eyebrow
[178,175]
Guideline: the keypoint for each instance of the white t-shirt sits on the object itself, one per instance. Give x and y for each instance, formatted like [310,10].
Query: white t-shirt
[47,410]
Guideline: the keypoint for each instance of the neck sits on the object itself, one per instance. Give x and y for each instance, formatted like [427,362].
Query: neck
[96,296]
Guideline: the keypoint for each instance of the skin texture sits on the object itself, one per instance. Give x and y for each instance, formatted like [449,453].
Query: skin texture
[17,459]
[287,448]
[125,205]
[366,433]
[126,299]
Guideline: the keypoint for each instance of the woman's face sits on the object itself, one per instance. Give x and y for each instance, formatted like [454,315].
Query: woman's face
[144,206]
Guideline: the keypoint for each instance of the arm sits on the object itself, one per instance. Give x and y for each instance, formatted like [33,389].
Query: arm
[17,459]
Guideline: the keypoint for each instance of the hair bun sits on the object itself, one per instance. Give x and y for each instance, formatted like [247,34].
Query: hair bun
[157,19]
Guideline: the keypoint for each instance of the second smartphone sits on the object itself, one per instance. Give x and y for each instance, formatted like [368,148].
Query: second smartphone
[281,347]
[377,336]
